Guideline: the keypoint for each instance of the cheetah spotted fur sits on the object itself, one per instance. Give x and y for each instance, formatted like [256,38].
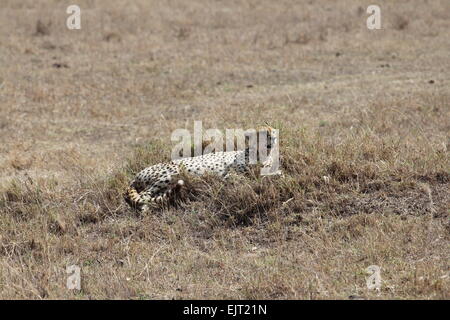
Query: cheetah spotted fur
[155,184]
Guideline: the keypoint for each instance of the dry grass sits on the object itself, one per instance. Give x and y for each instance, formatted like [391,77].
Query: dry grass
[364,118]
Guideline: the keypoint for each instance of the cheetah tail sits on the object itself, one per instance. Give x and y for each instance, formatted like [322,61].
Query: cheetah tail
[132,197]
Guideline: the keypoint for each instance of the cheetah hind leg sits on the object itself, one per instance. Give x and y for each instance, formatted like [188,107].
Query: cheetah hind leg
[151,199]
[174,189]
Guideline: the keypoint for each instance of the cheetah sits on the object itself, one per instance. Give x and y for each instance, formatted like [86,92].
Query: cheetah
[155,184]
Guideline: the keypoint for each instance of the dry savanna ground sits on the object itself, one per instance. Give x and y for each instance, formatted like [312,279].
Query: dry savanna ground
[364,119]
